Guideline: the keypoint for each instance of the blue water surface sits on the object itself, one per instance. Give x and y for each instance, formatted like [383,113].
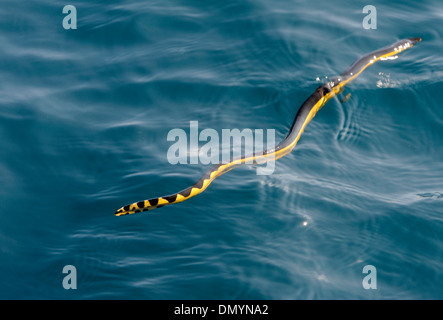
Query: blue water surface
[84,119]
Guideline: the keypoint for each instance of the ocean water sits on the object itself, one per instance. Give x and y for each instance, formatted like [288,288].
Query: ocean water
[84,119]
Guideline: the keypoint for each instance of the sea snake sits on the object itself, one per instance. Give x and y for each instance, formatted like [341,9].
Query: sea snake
[305,114]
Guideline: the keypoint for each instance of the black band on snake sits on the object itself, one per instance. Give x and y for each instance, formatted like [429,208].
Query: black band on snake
[305,114]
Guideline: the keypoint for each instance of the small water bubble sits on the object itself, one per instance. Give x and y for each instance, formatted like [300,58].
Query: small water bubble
[386,82]
[322,277]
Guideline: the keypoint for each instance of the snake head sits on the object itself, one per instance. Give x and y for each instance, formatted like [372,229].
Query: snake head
[415,40]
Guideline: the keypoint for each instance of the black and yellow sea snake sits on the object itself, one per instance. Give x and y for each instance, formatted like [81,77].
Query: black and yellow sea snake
[305,114]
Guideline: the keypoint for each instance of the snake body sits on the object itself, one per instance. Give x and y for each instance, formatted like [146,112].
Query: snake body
[305,114]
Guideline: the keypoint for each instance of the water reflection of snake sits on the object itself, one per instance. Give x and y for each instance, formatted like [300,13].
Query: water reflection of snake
[305,114]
